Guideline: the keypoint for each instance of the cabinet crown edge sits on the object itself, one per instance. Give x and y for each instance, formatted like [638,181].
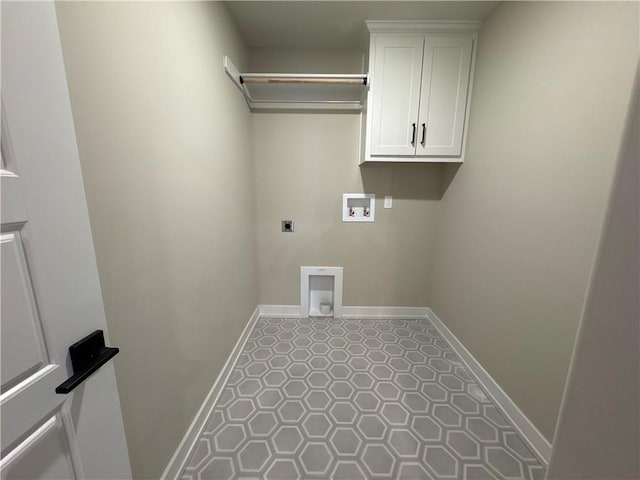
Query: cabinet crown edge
[426,26]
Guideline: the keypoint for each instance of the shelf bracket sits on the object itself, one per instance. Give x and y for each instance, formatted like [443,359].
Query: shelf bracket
[234,74]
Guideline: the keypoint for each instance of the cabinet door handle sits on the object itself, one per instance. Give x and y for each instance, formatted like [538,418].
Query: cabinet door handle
[424,134]
[413,135]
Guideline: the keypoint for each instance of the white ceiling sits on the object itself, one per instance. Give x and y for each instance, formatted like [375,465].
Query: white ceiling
[336,24]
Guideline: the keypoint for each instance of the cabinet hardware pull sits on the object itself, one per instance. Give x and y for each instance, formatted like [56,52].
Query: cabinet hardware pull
[413,135]
[424,134]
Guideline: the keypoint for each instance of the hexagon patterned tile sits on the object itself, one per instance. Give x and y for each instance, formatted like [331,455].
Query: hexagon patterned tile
[314,398]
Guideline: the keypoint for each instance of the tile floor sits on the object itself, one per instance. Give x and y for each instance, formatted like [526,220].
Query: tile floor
[355,399]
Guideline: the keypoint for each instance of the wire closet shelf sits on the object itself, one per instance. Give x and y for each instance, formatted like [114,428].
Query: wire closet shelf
[295,91]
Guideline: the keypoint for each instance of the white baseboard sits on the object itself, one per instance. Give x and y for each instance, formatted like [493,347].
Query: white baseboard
[536,441]
[348,312]
[386,312]
[179,460]
[279,311]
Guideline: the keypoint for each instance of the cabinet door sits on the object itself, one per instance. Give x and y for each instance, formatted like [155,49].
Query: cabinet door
[443,99]
[395,94]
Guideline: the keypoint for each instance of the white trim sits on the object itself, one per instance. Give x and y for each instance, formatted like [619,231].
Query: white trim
[386,312]
[287,311]
[429,26]
[536,441]
[293,311]
[179,459]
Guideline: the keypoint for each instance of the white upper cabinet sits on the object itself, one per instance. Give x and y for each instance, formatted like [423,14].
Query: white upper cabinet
[443,98]
[398,64]
[420,84]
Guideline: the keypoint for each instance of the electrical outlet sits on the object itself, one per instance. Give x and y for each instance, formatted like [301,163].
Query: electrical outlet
[287,226]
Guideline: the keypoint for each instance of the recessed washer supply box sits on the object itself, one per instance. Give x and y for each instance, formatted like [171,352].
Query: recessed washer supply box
[358,207]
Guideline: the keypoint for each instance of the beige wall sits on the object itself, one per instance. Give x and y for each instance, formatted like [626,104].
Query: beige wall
[165,146]
[304,163]
[291,60]
[522,217]
[598,433]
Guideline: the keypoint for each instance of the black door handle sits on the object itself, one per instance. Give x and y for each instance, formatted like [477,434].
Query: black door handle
[424,134]
[87,356]
[413,135]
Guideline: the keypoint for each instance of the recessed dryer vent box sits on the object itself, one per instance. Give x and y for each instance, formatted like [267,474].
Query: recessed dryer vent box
[358,207]
[321,291]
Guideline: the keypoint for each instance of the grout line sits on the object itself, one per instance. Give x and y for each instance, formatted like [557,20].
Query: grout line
[529,433]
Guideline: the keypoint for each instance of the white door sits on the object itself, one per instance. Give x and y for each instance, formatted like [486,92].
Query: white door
[50,289]
[395,93]
[443,98]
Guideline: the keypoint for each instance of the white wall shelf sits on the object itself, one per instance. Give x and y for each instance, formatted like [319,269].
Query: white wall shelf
[296,91]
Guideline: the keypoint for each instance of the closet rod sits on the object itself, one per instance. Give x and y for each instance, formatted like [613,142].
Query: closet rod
[310,80]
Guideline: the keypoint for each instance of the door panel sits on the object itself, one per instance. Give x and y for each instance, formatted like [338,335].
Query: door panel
[43,454]
[31,411]
[397,64]
[445,81]
[22,339]
[11,201]
[50,288]
[28,375]
[12,205]
[27,405]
